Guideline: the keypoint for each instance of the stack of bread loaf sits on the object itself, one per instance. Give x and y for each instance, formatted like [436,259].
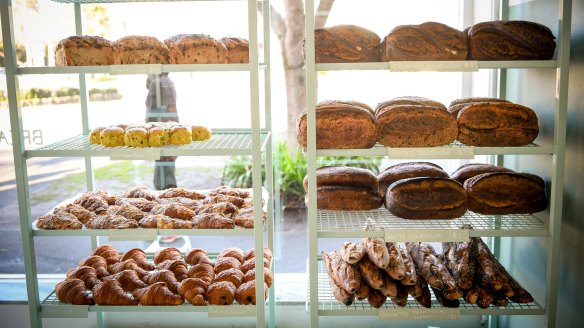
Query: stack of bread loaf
[422,190]
[131,278]
[140,49]
[496,40]
[152,134]
[375,270]
[174,208]
[420,122]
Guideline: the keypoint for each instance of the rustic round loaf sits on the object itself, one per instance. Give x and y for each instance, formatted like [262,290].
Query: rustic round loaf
[340,125]
[497,125]
[470,170]
[427,41]
[344,176]
[347,199]
[426,198]
[506,193]
[346,44]
[408,170]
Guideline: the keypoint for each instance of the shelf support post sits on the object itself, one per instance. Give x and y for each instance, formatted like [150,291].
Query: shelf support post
[20,167]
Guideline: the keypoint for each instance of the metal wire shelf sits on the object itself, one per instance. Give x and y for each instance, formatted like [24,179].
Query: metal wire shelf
[329,306]
[227,142]
[454,150]
[122,1]
[376,223]
[437,66]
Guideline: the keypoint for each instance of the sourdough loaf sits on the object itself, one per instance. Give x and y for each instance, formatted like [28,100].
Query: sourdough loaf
[427,41]
[457,105]
[84,50]
[408,170]
[414,122]
[340,125]
[139,49]
[237,50]
[426,198]
[505,193]
[510,40]
[497,125]
[344,176]
[196,49]
[346,44]
[470,170]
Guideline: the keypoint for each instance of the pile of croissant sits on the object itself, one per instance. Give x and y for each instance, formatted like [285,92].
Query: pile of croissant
[174,208]
[375,270]
[131,279]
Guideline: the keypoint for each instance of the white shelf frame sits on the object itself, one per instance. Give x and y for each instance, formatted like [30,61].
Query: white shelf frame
[258,141]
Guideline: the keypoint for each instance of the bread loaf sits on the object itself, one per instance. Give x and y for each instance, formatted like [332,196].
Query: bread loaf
[408,170]
[427,41]
[84,50]
[112,137]
[196,49]
[497,125]
[139,49]
[414,122]
[237,50]
[510,40]
[470,170]
[340,125]
[344,176]
[347,199]
[506,193]
[346,44]
[426,198]
[457,105]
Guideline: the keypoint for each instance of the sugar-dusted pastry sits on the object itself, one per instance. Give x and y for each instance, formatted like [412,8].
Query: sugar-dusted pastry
[142,204]
[92,202]
[128,211]
[112,136]
[176,211]
[139,192]
[82,214]
[136,137]
[95,135]
[112,222]
[158,136]
[58,221]
[180,192]
[213,221]
[180,135]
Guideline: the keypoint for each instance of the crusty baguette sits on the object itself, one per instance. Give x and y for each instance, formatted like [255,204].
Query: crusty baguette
[445,302]
[344,275]
[411,274]
[396,268]
[341,294]
[376,298]
[370,273]
[377,251]
[389,286]
[425,299]
[401,299]
[352,252]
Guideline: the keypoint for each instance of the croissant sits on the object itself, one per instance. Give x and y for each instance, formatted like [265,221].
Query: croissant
[246,293]
[202,271]
[143,204]
[157,294]
[128,279]
[193,290]
[178,267]
[98,263]
[186,202]
[72,291]
[139,192]
[181,192]
[59,221]
[195,255]
[250,264]
[251,254]
[166,222]
[80,212]
[218,198]
[110,292]
[221,293]
[217,208]
[268,276]
[174,210]
[109,198]
[226,190]
[108,252]
[225,263]
[127,265]
[92,202]
[171,253]
[212,221]
[234,252]
[112,222]
[235,276]
[85,273]
[126,210]
[165,276]
[139,256]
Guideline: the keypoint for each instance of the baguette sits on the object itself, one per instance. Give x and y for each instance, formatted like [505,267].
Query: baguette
[425,299]
[340,294]
[352,252]
[445,302]
[396,268]
[410,275]
[461,260]
[371,274]
[377,251]
[344,275]
[401,299]
[389,286]
[376,298]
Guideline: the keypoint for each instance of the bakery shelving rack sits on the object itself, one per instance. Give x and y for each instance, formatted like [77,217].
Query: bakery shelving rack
[380,223]
[255,141]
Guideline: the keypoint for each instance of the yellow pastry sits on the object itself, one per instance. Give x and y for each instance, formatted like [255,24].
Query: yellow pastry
[95,135]
[136,137]
[200,133]
[158,137]
[180,135]
[112,136]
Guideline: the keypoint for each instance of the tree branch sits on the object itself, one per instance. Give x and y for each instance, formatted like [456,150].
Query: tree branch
[276,20]
[322,13]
